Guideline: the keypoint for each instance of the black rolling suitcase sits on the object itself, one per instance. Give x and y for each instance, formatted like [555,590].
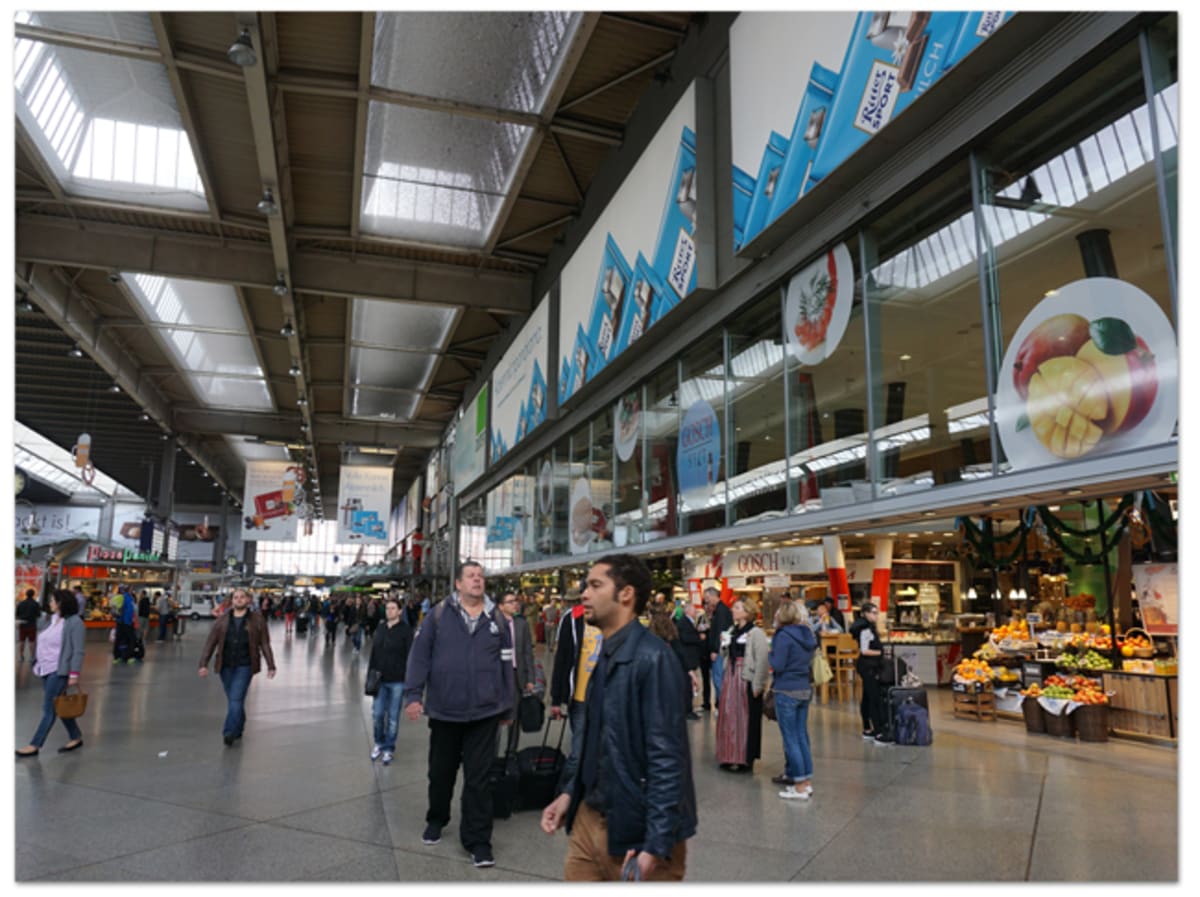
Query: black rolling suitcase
[139,647]
[503,779]
[540,769]
[301,624]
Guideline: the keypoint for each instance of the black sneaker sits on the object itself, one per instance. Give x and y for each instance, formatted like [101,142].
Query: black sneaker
[482,857]
[883,741]
[868,735]
[692,714]
[228,740]
[432,835]
[781,779]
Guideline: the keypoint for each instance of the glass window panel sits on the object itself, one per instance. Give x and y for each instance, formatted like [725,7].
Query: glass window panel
[213,352]
[400,324]
[1163,42]
[56,465]
[385,405]
[701,483]
[661,422]
[560,494]
[187,303]
[436,177]
[629,521]
[395,370]
[131,27]
[827,414]
[1047,302]
[500,59]
[600,475]
[930,404]
[580,503]
[225,392]
[758,413]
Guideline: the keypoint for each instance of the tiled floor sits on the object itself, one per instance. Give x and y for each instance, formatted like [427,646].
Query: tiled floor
[155,795]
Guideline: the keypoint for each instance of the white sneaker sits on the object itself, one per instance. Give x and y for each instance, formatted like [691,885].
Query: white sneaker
[375,752]
[791,793]
[387,758]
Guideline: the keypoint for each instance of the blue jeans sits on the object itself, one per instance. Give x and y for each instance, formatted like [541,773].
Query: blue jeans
[793,726]
[237,682]
[386,711]
[718,671]
[356,637]
[52,686]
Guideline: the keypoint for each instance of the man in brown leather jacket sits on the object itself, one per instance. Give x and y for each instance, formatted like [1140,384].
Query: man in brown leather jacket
[240,641]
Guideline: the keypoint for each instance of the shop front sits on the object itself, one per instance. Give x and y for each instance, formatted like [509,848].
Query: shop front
[97,571]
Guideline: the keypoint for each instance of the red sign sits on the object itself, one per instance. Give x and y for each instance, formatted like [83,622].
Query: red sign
[100,553]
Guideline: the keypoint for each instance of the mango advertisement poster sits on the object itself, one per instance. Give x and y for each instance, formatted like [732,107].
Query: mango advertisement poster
[1092,370]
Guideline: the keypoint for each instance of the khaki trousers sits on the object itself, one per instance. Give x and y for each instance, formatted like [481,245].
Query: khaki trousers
[588,858]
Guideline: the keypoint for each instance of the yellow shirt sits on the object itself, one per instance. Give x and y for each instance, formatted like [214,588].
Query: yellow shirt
[589,653]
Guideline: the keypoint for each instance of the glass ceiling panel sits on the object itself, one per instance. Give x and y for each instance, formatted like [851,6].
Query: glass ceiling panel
[108,126]
[506,60]
[384,323]
[248,450]
[435,177]
[50,462]
[227,392]
[213,353]
[187,303]
[385,405]
[132,27]
[392,370]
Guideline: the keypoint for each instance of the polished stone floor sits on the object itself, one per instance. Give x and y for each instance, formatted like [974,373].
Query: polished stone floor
[155,796]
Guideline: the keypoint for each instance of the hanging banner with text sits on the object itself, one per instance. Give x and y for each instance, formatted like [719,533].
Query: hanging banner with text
[470,442]
[519,384]
[364,497]
[270,501]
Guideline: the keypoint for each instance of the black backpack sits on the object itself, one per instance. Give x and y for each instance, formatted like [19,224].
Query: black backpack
[912,724]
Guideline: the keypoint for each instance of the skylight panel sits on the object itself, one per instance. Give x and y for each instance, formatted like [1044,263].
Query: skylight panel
[400,324]
[382,405]
[107,126]
[53,464]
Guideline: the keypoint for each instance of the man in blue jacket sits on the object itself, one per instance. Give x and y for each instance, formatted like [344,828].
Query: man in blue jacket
[627,797]
[460,674]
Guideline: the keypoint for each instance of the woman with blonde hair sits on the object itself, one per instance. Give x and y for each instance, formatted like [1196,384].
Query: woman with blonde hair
[739,722]
[791,656]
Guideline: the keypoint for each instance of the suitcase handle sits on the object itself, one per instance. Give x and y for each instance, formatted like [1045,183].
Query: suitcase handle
[546,735]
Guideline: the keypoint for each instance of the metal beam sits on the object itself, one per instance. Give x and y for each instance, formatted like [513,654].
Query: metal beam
[533,231]
[106,45]
[185,114]
[366,55]
[620,79]
[327,429]
[57,241]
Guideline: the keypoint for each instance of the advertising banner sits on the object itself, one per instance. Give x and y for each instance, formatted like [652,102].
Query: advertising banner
[29,576]
[639,259]
[470,443]
[196,535]
[698,457]
[127,525]
[364,497]
[270,502]
[811,88]
[519,384]
[627,424]
[47,524]
[1091,370]
[1157,588]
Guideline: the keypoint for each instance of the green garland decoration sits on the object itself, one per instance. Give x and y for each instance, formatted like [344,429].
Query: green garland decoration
[1050,520]
[984,544]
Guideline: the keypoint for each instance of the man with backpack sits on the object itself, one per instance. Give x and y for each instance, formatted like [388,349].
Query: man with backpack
[460,675]
[124,612]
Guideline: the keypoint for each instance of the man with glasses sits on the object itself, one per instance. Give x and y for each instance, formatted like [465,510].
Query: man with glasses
[240,641]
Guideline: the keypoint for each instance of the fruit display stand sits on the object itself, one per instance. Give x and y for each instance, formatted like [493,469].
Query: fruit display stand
[972,687]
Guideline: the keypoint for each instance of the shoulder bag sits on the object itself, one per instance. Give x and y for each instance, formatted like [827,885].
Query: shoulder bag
[371,687]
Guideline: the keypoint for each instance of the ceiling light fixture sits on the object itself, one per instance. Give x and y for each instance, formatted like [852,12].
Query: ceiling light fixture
[114,388]
[75,351]
[287,329]
[144,416]
[267,205]
[281,287]
[294,371]
[906,357]
[302,401]
[23,304]
[242,50]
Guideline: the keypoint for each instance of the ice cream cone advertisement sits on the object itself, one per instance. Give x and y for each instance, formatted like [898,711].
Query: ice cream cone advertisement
[272,491]
[1091,370]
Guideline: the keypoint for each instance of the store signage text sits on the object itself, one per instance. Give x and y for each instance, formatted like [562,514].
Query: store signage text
[802,559]
[121,555]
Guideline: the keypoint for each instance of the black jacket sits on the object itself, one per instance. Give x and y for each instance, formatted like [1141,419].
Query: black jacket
[28,610]
[689,642]
[566,657]
[647,768]
[389,651]
[720,620]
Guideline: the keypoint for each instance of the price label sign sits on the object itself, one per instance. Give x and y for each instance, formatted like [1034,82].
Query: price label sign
[1033,618]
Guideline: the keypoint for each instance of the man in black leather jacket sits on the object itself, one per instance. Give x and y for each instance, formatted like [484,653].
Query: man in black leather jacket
[627,797]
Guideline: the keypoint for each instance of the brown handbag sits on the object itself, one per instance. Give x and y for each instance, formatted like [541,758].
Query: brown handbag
[70,706]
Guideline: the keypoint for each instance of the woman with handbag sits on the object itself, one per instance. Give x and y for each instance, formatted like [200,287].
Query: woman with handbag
[739,722]
[385,677]
[58,660]
[791,657]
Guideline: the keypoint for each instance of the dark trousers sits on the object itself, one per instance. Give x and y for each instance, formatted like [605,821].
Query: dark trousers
[706,679]
[237,682]
[471,745]
[872,709]
[124,641]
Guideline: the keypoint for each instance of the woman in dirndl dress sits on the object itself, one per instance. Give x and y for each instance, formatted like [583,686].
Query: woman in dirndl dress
[739,721]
